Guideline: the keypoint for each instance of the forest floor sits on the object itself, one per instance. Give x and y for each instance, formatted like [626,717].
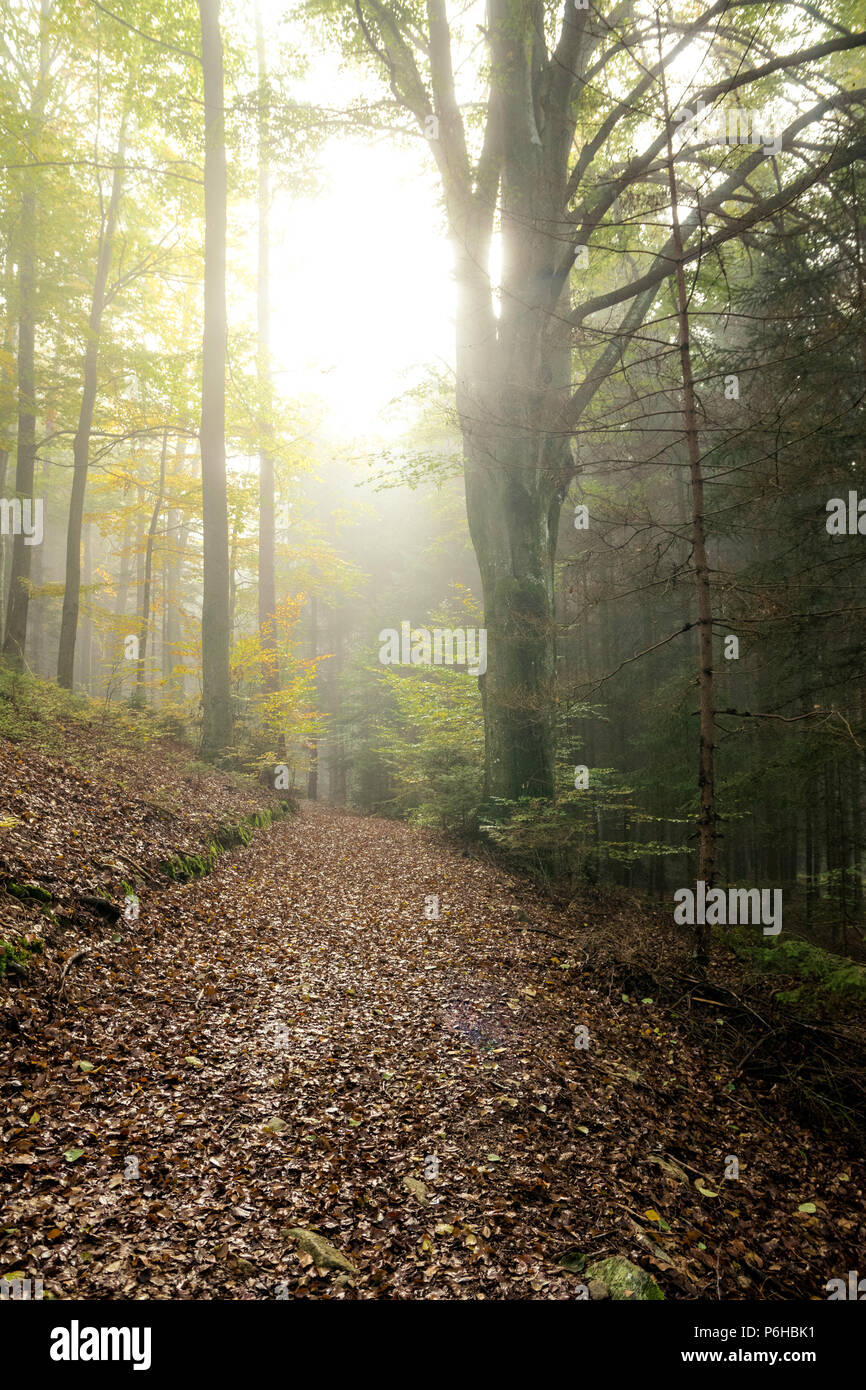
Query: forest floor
[289,1042]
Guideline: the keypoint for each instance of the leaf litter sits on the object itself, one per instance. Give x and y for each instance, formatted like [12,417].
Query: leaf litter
[284,1080]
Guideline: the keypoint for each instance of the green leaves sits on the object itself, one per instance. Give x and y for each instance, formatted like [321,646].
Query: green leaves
[703,1189]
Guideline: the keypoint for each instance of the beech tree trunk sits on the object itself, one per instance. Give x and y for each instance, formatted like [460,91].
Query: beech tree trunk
[81,444]
[19,574]
[706,760]
[15,636]
[513,372]
[9,336]
[177,526]
[333,671]
[140,697]
[216,695]
[267,578]
[313,769]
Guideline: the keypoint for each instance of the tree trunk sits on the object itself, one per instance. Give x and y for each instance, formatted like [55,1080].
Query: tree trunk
[4,465]
[706,770]
[9,336]
[810,863]
[165,589]
[177,526]
[513,370]
[233,559]
[36,618]
[313,770]
[122,580]
[517,470]
[513,534]
[178,680]
[81,444]
[267,580]
[19,579]
[140,697]
[216,695]
[336,749]
[84,656]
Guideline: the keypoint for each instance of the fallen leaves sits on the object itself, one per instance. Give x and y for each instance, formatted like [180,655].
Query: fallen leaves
[294,1081]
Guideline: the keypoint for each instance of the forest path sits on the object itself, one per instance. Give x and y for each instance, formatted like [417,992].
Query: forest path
[301,984]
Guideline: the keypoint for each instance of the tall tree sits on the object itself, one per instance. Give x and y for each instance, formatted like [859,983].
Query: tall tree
[215,623]
[557,72]
[267,582]
[19,579]
[706,764]
[141,670]
[81,444]
[7,397]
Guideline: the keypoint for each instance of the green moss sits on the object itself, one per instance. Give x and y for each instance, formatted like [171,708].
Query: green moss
[625,1281]
[827,980]
[16,956]
[29,891]
[181,868]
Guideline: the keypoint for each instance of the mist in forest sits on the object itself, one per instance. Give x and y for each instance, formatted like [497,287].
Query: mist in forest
[621,528]
[450,418]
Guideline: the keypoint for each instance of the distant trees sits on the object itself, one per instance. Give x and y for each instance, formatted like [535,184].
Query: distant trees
[105,245]
[780,384]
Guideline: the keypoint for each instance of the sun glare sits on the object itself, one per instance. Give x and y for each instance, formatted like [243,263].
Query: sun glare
[361,284]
